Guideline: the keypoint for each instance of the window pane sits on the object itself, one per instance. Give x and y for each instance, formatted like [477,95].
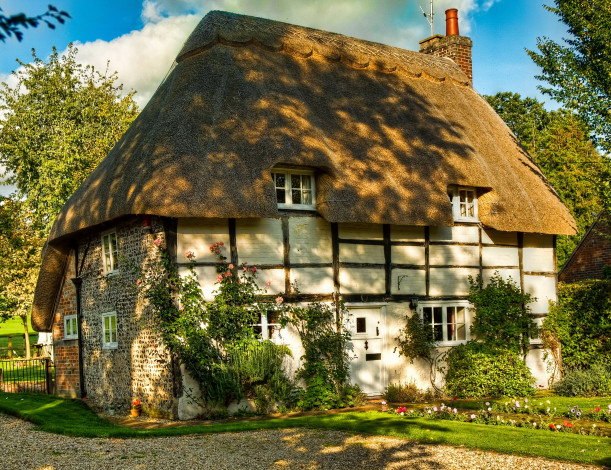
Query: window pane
[427,315]
[451,330]
[113,323]
[280,180]
[460,314]
[306,181]
[438,332]
[296,181]
[470,210]
[281,196]
[307,197]
[460,332]
[361,325]
[437,315]
[296,196]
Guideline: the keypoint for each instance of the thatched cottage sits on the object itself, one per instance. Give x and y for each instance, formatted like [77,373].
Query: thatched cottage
[350,168]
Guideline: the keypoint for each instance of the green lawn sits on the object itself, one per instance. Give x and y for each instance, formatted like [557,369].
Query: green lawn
[16,345]
[560,403]
[14,326]
[71,417]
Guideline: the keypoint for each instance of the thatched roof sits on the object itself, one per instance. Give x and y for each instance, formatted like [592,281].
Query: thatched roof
[386,129]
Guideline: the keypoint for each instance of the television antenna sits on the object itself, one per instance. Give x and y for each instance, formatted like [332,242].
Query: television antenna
[429,17]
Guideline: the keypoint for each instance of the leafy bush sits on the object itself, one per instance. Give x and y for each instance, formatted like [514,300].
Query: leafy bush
[579,324]
[403,393]
[476,371]
[502,317]
[592,382]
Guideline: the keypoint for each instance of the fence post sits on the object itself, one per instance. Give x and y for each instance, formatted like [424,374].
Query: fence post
[48,375]
[10,347]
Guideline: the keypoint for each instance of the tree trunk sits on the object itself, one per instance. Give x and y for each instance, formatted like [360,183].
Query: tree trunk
[27,337]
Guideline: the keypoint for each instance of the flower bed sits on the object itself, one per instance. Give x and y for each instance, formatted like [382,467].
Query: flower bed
[512,413]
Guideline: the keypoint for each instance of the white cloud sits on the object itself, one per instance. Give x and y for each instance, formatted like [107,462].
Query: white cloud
[141,58]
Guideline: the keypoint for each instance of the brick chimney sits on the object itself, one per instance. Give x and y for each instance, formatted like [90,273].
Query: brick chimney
[452,45]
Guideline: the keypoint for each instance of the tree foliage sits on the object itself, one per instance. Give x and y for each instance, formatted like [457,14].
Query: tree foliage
[20,247]
[13,25]
[59,121]
[579,72]
[559,143]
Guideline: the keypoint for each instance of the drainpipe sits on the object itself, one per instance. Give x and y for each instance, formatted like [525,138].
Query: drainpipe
[78,282]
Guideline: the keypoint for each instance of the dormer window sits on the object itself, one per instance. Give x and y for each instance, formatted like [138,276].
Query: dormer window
[464,203]
[294,189]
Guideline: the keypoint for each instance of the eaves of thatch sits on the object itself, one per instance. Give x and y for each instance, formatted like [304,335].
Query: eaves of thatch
[387,131]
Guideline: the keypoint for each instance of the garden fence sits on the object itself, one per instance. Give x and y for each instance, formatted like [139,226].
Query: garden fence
[32,375]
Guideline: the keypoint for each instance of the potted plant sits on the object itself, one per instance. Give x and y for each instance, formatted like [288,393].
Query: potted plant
[136,408]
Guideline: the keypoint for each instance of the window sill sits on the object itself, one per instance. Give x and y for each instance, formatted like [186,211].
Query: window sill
[110,346]
[297,207]
[70,338]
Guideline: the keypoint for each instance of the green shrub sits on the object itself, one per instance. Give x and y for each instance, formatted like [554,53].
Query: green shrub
[502,317]
[403,393]
[592,382]
[579,324]
[476,371]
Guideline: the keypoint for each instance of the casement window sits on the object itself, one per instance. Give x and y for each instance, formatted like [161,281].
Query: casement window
[70,327]
[269,327]
[110,257]
[109,330]
[450,321]
[464,203]
[294,189]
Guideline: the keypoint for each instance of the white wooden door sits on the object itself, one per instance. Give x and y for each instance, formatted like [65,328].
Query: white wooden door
[366,325]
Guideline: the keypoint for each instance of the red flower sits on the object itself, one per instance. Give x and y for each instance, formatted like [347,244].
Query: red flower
[597,409]
[566,423]
[551,426]
[136,402]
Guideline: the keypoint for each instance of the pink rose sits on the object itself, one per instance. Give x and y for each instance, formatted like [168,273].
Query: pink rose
[279,300]
[139,281]
[157,241]
[231,266]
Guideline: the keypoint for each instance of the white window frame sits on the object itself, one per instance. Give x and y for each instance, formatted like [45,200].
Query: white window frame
[454,194]
[70,327]
[444,305]
[112,266]
[264,325]
[113,333]
[288,188]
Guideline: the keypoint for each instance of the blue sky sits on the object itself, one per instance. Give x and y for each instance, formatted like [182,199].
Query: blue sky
[140,38]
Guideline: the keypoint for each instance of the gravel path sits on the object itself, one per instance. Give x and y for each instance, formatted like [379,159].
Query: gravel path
[24,448]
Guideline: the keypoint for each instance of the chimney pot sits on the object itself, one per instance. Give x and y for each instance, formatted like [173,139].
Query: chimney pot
[452,22]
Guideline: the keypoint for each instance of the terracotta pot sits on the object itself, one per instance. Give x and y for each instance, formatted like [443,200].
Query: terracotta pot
[135,412]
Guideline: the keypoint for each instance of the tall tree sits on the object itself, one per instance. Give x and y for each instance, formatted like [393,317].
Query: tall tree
[20,246]
[59,121]
[56,124]
[559,143]
[579,72]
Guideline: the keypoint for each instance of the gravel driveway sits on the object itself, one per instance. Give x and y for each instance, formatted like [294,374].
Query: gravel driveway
[24,448]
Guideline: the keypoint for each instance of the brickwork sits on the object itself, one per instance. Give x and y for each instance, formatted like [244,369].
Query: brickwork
[591,256]
[140,366]
[457,48]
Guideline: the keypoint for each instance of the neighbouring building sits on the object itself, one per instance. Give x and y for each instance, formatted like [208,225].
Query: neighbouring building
[593,254]
[342,166]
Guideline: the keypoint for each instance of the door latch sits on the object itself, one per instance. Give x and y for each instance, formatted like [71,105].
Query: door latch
[366,345]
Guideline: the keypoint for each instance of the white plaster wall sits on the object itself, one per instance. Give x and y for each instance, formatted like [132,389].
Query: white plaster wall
[198,235]
[500,256]
[543,288]
[406,233]
[538,253]
[402,254]
[459,233]
[413,281]
[494,237]
[352,253]
[455,255]
[310,240]
[451,281]
[313,280]
[259,241]
[361,231]
[274,276]
[361,281]
[514,274]
[206,276]
[535,360]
